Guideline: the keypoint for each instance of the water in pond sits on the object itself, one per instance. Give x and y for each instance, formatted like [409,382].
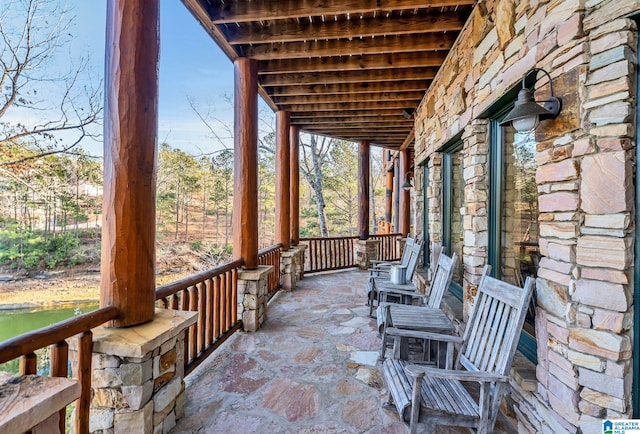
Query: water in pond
[17,321]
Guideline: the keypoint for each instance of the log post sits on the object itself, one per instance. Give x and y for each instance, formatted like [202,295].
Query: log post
[128,264]
[405,197]
[245,162]
[294,176]
[388,203]
[363,190]
[396,195]
[283,161]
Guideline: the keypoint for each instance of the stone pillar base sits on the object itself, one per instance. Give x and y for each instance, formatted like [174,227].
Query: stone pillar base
[138,374]
[253,297]
[292,266]
[365,251]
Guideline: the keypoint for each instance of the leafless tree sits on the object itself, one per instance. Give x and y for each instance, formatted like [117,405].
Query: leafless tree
[42,107]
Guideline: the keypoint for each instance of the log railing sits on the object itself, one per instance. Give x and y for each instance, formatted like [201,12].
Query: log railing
[25,346]
[271,256]
[330,253]
[213,294]
[336,253]
[388,247]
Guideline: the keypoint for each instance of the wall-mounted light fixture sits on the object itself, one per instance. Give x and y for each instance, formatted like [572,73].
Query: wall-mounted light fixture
[406,185]
[527,112]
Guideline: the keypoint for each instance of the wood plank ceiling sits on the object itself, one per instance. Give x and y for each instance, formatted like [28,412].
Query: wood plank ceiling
[343,68]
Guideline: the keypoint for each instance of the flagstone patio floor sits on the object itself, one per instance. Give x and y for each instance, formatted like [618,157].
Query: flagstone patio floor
[311,368]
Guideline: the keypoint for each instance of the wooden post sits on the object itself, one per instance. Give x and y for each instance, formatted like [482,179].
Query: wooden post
[245,162]
[128,264]
[405,197]
[295,184]
[396,195]
[363,190]
[283,161]
[388,204]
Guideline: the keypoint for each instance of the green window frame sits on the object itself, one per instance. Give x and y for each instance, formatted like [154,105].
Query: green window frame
[426,251]
[454,146]
[527,345]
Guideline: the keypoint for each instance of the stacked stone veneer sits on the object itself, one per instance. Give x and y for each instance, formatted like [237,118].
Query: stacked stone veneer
[137,375]
[292,266]
[585,162]
[365,251]
[253,297]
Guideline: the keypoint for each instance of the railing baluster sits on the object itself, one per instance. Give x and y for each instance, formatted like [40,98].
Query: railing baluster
[28,364]
[83,404]
[223,301]
[60,368]
[234,297]
[193,333]
[216,308]
[209,306]
[202,319]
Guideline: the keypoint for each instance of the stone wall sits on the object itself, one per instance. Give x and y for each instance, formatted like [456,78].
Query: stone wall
[585,185]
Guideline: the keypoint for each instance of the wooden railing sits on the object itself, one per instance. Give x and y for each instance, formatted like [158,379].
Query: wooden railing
[271,256]
[388,248]
[214,295]
[25,346]
[336,253]
[330,253]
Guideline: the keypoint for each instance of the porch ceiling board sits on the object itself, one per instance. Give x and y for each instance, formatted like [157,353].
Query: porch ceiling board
[244,11]
[342,68]
[339,77]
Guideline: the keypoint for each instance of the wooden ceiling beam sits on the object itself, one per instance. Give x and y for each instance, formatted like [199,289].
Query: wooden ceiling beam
[292,31]
[381,113]
[244,11]
[408,98]
[350,88]
[381,128]
[353,63]
[339,77]
[344,47]
[348,106]
[353,119]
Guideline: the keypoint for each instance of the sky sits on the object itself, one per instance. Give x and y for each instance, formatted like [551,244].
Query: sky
[191,67]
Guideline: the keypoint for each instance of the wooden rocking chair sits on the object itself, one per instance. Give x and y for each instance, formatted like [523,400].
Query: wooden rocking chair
[437,396]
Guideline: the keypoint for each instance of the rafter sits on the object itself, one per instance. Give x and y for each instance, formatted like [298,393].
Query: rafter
[315,114]
[243,11]
[354,119]
[348,106]
[291,31]
[369,76]
[354,63]
[350,88]
[407,97]
[344,47]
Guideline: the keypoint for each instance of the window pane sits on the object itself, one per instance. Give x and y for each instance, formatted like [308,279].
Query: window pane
[520,253]
[456,213]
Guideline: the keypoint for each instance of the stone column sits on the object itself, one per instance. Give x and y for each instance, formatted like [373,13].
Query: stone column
[253,297]
[292,266]
[365,251]
[138,374]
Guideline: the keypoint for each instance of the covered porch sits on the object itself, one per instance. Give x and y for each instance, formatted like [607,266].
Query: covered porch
[311,368]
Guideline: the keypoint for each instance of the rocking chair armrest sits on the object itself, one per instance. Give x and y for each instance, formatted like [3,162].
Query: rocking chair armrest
[479,376]
[378,263]
[378,270]
[406,333]
[406,292]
